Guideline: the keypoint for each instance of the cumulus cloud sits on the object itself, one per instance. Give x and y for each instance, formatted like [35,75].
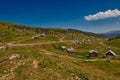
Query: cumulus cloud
[103,15]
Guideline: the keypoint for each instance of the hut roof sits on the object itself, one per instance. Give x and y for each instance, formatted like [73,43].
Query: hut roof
[43,34]
[37,36]
[92,51]
[63,47]
[70,49]
[110,51]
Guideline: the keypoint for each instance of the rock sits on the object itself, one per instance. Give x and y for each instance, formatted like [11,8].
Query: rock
[7,75]
[23,63]
[11,62]
[77,78]
[35,64]
[31,73]
[14,56]
[11,70]
[44,69]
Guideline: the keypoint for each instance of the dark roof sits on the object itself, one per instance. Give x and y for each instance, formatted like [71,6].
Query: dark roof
[93,51]
[110,51]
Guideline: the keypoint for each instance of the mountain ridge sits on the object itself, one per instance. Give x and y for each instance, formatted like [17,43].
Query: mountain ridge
[111,34]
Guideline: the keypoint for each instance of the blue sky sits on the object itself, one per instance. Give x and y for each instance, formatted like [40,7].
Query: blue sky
[62,13]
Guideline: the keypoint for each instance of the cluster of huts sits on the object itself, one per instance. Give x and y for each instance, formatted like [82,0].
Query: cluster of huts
[109,53]
[68,50]
[92,53]
[77,42]
[39,35]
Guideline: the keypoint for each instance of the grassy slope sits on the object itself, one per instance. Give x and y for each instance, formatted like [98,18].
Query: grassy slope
[114,42]
[54,64]
[23,33]
[12,33]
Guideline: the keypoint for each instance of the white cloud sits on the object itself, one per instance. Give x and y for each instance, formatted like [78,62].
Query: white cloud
[103,15]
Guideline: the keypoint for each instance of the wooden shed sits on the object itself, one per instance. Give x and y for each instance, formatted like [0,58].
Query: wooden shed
[70,50]
[35,37]
[43,35]
[109,53]
[93,53]
[63,48]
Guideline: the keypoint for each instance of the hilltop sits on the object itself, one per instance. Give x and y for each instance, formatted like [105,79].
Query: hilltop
[15,32]
[35,54]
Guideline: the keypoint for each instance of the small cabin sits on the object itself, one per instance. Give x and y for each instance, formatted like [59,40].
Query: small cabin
[35,37]
[109,53]
[63,48]
[70,50]
[43,35]
[93,53]
[76,42]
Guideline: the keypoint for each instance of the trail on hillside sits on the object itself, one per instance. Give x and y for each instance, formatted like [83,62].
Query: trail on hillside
[65,57]
[48,52]
[31,44]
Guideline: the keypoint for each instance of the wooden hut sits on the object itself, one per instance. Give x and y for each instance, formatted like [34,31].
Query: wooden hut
[93,53]
[43,35]
[63,48]
[70,50]
[76,42]
[109,53]
[35,37]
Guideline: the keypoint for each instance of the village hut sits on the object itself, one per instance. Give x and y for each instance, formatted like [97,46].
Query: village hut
[109,53]
[43,35]
[63,48]
[93,53]
[35,37]
[70,50]
[76,42]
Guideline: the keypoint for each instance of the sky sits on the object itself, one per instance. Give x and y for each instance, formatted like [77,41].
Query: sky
[96,16]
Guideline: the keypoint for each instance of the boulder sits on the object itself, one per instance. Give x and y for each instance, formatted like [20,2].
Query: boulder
[14,56]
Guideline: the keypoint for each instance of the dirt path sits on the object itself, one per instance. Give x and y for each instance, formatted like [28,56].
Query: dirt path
[31,44]
[63,57]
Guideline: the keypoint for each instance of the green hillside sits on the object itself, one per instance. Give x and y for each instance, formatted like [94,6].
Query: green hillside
[114,42]
[42,58]
[15,32]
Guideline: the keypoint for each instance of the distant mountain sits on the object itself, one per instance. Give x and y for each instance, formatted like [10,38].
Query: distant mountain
[112,34]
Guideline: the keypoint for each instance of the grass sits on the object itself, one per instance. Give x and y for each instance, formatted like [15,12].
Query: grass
[54,64]
[110,68]
[114,42]
[51,67]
